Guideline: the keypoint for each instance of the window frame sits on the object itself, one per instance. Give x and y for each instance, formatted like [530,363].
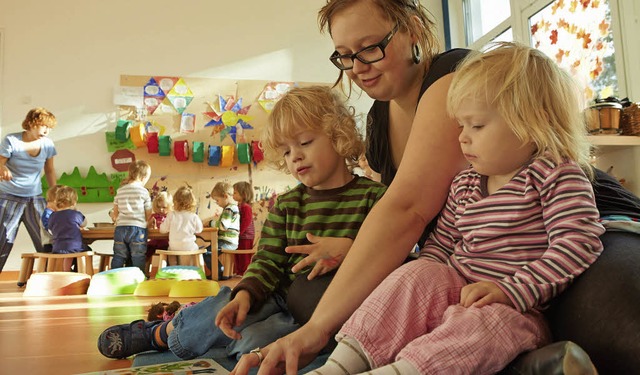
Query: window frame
[624,15]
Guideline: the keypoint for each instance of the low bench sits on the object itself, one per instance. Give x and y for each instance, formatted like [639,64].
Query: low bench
[49,262]
[228,260]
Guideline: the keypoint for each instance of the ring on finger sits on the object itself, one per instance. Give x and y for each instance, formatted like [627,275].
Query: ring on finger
[257,352]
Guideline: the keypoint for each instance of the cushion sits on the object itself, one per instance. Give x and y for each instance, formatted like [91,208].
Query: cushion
[181,273]
[116,281]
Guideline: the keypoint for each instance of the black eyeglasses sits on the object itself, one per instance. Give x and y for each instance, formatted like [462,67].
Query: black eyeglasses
[367,55]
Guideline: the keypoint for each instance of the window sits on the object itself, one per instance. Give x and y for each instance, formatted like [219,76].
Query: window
[578,34]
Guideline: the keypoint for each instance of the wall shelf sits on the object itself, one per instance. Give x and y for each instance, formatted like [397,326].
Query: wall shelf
[614,140]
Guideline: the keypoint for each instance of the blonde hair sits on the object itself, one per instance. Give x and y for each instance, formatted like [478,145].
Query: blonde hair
[400,12]
[162,197]
[139,170]
[537,99]
[315,108]
[39,116]
[222,189]
[184,199]
[51,193]
[244,190]
[66,196]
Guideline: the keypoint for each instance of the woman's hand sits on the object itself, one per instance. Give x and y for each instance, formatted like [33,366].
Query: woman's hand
[287,354]
[483,293]
[325,253]
[233,314]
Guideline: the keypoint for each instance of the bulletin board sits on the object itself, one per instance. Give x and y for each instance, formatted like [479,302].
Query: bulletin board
[213,126]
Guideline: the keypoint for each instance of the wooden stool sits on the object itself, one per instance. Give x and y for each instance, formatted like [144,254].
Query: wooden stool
[49,262]
[228,260]
[196,256]
[26,267]
[105,261]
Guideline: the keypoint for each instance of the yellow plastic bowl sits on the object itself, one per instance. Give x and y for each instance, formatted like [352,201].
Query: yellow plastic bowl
[194,288]
[154,287]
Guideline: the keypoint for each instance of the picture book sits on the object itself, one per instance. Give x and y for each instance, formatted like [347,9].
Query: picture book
[194,366]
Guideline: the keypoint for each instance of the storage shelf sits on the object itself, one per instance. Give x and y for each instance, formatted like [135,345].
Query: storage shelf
[614,140]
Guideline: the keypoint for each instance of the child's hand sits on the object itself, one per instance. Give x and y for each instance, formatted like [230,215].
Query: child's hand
[152,223]
[324,253]
[234,314]
[5,174]
[483,293]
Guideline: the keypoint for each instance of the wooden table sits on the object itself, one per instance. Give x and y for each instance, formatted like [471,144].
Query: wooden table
[208,234]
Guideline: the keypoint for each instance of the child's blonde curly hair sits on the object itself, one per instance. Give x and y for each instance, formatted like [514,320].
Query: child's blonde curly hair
[162,197]
[184,199]
[316,108]
[222,189]
[66,196]
[39,116]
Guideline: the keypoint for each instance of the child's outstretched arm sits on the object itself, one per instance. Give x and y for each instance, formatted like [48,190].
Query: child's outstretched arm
[5,173]
[233,314]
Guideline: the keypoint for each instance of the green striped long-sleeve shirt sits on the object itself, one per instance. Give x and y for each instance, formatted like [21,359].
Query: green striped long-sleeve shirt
[326,213]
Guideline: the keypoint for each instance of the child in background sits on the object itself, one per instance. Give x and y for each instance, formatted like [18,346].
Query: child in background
[308,126]
[228,222]
[161,205]
[518,227]
[23,158]
[132,209]
[65,223]
[243,194]
[47,246]
[182,223]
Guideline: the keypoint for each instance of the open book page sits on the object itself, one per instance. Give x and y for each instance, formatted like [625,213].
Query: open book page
[194,366]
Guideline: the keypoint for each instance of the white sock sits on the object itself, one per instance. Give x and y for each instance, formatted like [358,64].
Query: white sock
[401,367]
[347,358]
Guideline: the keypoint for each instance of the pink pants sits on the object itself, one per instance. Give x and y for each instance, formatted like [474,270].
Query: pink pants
[414,315]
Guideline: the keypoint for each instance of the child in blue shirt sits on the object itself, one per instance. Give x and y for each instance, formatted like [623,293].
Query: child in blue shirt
[65,224]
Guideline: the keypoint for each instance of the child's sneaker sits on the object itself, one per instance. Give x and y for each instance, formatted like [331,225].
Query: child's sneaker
[124,340]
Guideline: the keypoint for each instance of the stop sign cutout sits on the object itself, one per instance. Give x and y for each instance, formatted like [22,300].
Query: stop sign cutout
[121,159]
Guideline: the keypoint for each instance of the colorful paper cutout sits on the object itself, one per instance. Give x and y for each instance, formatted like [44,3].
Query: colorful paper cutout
[113,144]
[94,187]
[227,156]
[198,152]
[188,123]
[164,145]
[153,96]
[180,96]
[121,159]
[122,130]
[226,115]
[138,135]
[152,143]
[181,150]
[272,92]
[244,153]
[215,154]
[256,152]
[166,83]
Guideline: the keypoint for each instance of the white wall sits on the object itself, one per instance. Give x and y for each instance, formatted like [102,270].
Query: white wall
[68,55]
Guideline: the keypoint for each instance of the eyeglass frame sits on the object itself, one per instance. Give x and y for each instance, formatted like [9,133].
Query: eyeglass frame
[353,56]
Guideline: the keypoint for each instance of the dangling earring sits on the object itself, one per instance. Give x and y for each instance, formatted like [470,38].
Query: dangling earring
[416,54]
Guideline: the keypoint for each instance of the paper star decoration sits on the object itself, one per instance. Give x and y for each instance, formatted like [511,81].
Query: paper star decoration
[226,115]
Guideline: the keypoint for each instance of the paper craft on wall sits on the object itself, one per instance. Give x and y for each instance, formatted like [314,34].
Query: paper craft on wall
[164,145]
[215,154]
[92,188]
[181,150]
[227,156]
[226,115]
[153,96]
[152,143]
[121,159]
[244,153]
[113,144]
[198,152]
[122,130]
[272,92]
[138,135]
[188,123]
[180,96]
[256,152]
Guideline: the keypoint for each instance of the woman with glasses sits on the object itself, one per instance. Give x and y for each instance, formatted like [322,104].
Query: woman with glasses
[388,48]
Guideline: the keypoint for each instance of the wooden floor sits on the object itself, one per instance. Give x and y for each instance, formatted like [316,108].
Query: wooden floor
[58,335]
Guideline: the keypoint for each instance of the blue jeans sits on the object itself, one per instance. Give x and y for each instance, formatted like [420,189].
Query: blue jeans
[130,246]
[195,331]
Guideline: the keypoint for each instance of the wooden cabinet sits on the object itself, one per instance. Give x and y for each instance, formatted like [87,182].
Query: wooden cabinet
[621,156]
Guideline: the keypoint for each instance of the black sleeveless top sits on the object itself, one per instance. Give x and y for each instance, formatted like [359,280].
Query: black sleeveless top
[378,151]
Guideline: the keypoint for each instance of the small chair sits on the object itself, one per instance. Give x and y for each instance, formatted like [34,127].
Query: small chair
[49,262]
[195,255]
[105,261]
[228,260]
